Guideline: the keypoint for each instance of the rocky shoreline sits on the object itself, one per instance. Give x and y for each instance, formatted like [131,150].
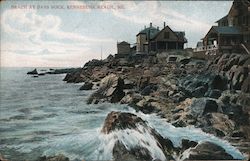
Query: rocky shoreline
[211,95]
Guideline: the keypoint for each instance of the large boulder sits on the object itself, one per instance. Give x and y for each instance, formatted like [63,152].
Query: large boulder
[208,151]
[202,106]
[87,86]
[121,121]
[111,90]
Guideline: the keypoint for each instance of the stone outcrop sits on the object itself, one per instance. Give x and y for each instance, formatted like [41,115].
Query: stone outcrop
[33,72]
[111,89]
[208,151]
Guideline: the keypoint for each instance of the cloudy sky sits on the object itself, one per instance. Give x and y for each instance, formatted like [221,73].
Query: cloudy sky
[69,33]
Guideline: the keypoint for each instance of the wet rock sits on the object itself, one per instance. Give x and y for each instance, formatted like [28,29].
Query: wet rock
[219,82]
[111,90]
[135,154]
[186,144]
[199,91]
[118,120]
[59,157]
[87,86]
[33,72]
[208,151]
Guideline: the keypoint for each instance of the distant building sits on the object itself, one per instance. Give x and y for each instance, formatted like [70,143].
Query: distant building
[152,39]
[123,48]
[232,33]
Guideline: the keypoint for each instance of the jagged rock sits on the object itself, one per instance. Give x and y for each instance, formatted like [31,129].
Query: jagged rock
[59,157]
[135,154]
[186,144]
[111,89]
[119,120]
[208,151]
[199,91]
[33,72]
[202,106]
[238,75]
[93,63]
[246,85]
[215,93]
[87,86]
[143,82]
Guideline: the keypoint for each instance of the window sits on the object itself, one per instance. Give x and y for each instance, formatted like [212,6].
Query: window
[166,35]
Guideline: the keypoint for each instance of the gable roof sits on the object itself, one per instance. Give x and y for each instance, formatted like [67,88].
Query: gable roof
[149,31]
[223,18]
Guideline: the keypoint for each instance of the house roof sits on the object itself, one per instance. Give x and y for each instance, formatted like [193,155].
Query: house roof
[149,30]
[230,30]
[223,18]
[123,43]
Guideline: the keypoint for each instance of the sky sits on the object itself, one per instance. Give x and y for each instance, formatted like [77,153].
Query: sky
[70,33]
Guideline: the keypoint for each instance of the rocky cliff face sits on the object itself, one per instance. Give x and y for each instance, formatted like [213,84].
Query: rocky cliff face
[213,96]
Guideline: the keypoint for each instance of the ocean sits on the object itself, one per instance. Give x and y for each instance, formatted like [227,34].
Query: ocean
[46,116]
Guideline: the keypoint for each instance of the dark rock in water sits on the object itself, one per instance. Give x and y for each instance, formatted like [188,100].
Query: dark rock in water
[41,74]
[215,93]
[33,72]
[35,76]
[208,151]
[120,153]
[246,85]
[59,157]
[118,120]
[87,86]
[111,89]
[186,144]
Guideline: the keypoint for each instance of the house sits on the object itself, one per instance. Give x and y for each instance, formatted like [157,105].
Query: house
[232,35]
[123,47]
[151,39]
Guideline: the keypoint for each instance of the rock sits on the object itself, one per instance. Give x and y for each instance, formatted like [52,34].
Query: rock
[33,72]
[143,82]
[237,77]
[59,157]
[119,121]
[202,106]
[87,86]
[93,63]
[208,151]
[149,89]
[186,144]
[219,82]
[111,90]
[215,93]
[41,74]
[199,91]
[246,85]
[120,153]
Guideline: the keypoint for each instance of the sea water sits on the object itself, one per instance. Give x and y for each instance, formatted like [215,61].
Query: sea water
[46,116]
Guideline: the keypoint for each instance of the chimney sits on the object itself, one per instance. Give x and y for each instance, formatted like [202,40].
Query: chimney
[157,27]
[164,24]
[145,27]
[150,24]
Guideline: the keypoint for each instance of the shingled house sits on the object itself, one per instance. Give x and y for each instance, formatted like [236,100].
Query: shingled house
[151,39]
[232,33]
